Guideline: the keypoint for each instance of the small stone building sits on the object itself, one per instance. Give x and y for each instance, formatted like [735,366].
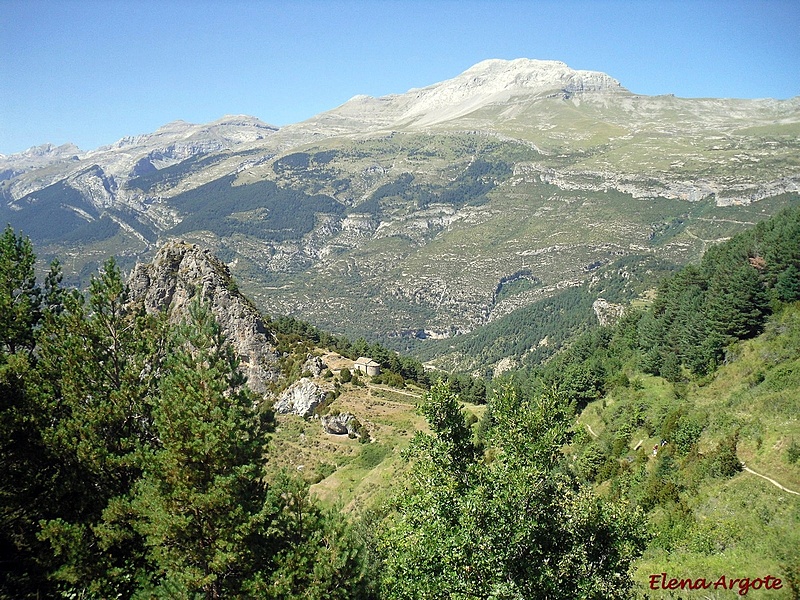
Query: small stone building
[367,366]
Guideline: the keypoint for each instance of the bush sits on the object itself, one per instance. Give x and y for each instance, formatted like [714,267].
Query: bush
[589,462]
[793,452]
[395,380]
[723,460]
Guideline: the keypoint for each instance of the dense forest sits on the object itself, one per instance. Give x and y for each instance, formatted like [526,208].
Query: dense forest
[135,458]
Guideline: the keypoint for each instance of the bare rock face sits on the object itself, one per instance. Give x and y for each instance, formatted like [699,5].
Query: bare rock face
[314,365]
[181,271]
[607,312]
[300,398]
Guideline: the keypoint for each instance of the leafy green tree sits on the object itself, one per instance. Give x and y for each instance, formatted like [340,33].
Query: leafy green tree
[582,382]
[517,526]
[452,435]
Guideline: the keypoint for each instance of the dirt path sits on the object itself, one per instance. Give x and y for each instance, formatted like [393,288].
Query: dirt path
[589,427]
[772,481]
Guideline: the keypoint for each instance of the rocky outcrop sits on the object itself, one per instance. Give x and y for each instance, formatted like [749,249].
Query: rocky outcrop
[178,273]
[607,312]
[341,424]
[313,365]
[300,398]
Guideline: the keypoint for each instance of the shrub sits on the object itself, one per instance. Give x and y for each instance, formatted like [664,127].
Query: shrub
[793,452]
[723,460]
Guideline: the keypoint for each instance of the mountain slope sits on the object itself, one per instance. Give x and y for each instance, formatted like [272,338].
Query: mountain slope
[431,213]
[708,517]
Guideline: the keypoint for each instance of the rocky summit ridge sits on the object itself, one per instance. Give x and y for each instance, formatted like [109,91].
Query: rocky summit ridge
[130,156]
[427,214]
[498,81]
[490,82]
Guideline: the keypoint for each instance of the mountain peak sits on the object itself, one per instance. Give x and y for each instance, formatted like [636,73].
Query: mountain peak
[539,75]
[528,75]
[46,151]
[489,82]
[496,81]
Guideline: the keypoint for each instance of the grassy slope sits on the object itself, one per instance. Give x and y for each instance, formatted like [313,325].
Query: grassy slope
[742,526]
[345,472]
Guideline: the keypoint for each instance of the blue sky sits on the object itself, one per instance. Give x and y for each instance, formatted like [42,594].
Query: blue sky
[91,72]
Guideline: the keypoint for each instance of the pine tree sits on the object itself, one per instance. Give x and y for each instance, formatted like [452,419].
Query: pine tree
[19,293]
[27,466]
[95,379]
[737,301]
[201,504]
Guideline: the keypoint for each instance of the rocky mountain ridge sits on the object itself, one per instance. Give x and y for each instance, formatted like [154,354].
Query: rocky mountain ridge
[130,156]
[410,217]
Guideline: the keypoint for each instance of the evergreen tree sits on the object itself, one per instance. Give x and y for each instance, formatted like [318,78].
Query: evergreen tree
[212,525]
[201,498]
[95,379]
[737,302]
[29,469]
[19,293]
[787,284]
[25,486]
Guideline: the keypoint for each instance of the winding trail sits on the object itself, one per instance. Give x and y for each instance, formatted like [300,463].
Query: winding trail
[589,427]
[772,481]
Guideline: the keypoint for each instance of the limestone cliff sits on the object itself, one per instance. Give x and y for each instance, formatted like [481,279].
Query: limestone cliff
[178,273]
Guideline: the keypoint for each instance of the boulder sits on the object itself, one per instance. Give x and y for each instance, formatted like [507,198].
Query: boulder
[341,424]
[314,365]
[300,398]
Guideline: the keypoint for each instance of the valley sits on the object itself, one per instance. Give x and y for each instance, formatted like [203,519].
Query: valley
[400,218]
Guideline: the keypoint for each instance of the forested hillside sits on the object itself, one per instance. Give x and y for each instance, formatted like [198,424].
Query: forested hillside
[683,405]
[135,464]
[138,465]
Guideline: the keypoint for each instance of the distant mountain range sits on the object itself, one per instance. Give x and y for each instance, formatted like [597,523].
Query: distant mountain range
[418,218]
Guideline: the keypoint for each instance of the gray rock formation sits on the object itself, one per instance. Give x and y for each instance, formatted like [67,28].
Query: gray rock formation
[177,274]
[341,424]
[607,312]
[313,365]
[300,398]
